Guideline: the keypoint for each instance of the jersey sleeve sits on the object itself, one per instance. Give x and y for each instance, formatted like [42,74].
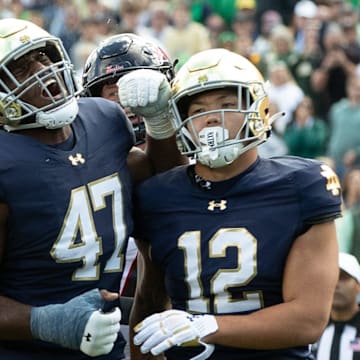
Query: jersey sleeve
[319,192]
[127,128]
[116,120]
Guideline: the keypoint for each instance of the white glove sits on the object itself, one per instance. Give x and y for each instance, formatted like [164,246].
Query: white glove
[159,332]
[77,324]
[101,332]
[147,92]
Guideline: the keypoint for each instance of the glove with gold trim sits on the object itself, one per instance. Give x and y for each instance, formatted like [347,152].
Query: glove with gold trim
[161,331]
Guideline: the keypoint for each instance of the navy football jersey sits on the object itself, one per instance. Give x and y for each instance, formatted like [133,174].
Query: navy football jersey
[70,213]
[223,246]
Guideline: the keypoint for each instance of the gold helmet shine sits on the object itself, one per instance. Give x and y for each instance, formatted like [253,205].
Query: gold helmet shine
[56,81]
[218,69]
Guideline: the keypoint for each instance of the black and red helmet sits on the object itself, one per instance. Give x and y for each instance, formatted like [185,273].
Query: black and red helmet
[120,54]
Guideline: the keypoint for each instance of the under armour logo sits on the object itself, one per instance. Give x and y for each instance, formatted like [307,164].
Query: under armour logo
[333,183]
[87,337]
[76,160]
[219,205]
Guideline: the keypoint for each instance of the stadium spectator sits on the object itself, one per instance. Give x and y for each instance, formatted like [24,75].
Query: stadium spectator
[305,11]
[89,39]
[159,22]
[186,36]
[283,91]
[344,121]
[268,21]
[306,135]
[215,25]
[328,79]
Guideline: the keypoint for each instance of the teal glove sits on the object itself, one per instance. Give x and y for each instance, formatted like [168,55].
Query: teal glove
[78,324]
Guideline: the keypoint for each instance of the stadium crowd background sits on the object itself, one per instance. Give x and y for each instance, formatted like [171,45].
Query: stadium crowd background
[309,51]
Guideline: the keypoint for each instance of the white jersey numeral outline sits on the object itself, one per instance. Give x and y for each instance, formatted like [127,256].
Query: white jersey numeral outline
[78,239]
[223,279]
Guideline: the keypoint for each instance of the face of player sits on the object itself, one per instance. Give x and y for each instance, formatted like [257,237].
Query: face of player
[37,94]
[110,92]
[345,293]
[214,100]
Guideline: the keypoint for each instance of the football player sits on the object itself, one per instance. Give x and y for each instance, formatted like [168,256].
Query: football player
[66,199]
[238,253]
[116,56]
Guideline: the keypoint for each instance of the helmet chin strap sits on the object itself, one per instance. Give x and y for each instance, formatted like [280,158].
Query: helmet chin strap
[213,151]
[59,116]
[211,137]
[51,119]
[214,155]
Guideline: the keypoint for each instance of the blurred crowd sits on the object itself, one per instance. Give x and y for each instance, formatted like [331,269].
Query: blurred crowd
[309,52]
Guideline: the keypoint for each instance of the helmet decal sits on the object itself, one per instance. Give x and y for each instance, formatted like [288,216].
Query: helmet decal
[24,38]
[113,68]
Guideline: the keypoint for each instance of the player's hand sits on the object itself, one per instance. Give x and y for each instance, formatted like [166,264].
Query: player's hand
[159,332]
[101,332]
[78,324]
[146,93]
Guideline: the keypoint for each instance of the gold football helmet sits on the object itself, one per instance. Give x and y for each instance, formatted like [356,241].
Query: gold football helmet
[218,69]
[54,82]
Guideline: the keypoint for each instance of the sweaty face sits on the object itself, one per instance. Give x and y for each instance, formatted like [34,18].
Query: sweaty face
[34,79]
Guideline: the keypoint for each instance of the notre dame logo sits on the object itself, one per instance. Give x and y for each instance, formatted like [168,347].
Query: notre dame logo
[333,183]
[202,78]
[10,109]
[217,205]
[24,38]
[76,160]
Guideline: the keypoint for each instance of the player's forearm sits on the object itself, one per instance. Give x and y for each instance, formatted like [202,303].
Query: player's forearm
[281,326]
[140,310]
[164,154]
[150,298]
[144,306]
[14,320]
